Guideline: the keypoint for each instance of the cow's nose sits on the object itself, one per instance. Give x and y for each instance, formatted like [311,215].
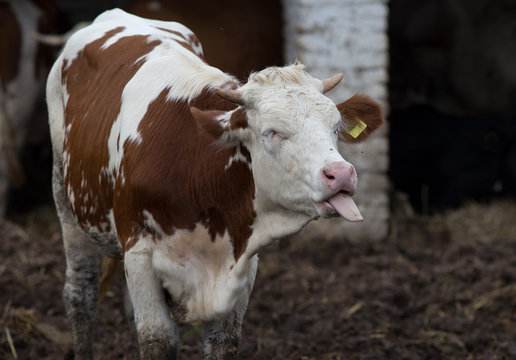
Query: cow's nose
[340,176]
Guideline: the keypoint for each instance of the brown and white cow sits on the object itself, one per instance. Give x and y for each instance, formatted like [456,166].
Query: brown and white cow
[174,166]
[24,65]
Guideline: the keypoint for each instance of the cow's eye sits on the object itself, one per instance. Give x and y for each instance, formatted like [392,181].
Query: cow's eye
[272,135]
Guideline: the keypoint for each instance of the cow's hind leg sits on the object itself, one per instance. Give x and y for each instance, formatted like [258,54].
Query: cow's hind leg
[221,337]
[80,292]
[157,333]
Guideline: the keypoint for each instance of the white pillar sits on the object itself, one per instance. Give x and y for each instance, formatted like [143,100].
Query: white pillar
[348,36]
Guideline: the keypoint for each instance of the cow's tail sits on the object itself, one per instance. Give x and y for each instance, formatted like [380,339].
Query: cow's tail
[58,40]
[109,270]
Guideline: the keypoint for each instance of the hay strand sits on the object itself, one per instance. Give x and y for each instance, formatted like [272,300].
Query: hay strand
[10,341]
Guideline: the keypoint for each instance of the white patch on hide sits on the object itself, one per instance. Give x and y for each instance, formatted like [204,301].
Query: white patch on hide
[66,96]
[151,223]
[225,118]
[237,157]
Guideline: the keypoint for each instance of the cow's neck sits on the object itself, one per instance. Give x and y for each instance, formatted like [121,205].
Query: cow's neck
[273,222]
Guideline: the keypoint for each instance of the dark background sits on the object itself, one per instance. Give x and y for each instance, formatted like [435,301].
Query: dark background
[441,286]
[453,100]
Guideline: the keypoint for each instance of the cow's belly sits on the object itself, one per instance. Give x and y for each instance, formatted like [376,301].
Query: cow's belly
[201,275]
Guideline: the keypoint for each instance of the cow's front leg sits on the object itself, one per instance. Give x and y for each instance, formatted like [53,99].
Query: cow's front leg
[157,333]
[221,337]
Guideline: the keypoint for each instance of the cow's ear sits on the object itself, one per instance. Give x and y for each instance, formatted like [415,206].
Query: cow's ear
[223,126]
[360,115]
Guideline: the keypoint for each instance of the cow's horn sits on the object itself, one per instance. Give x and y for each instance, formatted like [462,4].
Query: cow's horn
[231,95]
[331,82]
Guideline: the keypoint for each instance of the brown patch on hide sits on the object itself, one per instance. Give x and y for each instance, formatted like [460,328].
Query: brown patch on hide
[188,44]
[177,33]
[212,122]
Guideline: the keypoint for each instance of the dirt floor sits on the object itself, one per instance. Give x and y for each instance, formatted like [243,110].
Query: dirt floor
[441,287]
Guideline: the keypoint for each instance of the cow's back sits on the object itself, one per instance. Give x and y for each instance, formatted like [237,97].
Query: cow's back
[98,93]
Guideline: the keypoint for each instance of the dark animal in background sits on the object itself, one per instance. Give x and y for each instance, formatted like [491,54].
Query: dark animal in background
[453,158]
[24,65]
[227,45]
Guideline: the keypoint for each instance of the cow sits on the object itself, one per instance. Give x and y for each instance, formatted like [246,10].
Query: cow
[23,69]
[185,173]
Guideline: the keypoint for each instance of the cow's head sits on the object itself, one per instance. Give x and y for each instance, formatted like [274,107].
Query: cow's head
[291,130]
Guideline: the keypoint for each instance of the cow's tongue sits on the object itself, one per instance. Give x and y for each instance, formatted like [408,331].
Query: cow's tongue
[346,207]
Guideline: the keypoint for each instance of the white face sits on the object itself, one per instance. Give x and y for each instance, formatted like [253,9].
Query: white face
[294,134]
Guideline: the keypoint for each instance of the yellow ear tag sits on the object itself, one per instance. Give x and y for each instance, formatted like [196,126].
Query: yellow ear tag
[358,129]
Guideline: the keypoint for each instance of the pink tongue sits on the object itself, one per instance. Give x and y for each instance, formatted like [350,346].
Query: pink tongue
[346,207]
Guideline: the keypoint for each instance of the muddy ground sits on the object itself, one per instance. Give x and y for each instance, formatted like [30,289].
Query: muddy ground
[441,287]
